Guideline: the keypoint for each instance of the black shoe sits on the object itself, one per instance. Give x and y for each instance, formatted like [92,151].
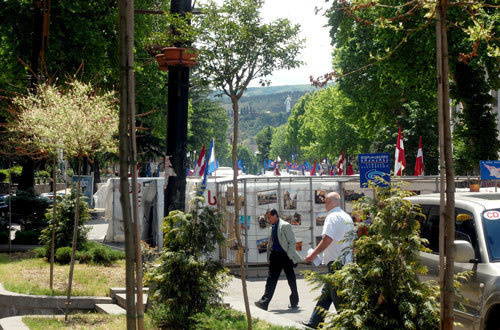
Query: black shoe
[261,305]
[307,324]
[291,306]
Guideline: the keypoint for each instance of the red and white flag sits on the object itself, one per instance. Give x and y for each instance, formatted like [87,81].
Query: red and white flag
[419,164]
[350,171]
[399,157]
[340,167]
[313,171]
[199,170]
[276,170]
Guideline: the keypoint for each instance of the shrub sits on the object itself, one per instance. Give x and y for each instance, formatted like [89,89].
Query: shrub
[40,252]
[4,237]
[380,290]
[116,255]
[187,280]
[28,210]
[3,176]
[101,255]
[63,255]
[26,237]
[83,256]
[65,216]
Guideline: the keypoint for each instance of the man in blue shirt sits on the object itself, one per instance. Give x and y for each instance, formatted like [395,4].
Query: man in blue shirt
[282,255]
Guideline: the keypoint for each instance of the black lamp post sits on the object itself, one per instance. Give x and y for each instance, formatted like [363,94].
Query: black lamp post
[177,120]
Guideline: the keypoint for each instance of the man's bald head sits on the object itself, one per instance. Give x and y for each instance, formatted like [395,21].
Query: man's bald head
[332,200]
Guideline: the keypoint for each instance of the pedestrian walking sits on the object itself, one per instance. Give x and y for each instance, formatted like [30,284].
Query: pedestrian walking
[282,255]
[337,251]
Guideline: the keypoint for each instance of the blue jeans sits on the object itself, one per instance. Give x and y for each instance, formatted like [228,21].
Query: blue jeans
[328,296]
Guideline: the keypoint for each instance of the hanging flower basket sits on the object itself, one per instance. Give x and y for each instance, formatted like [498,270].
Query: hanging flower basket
[162,63]
[176,56]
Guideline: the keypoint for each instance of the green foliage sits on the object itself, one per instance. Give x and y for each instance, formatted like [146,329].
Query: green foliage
[43,175]
[187,279]
[83,256]
[15,174]
[238,47]
[475,131]
[207,120]
[74,118]
[65,215]
[26,237]
[263,140]
[380,290]
[63,255]
[377,77]
[28,210]
[40,252]
[252,165]
[279,145]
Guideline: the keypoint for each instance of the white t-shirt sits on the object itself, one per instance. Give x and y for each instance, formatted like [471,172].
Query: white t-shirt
[337,224]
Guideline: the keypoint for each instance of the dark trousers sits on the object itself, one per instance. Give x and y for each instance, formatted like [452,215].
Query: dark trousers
[279,261]
[328,296]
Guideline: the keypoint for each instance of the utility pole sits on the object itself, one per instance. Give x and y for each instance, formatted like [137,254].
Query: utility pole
[177,120]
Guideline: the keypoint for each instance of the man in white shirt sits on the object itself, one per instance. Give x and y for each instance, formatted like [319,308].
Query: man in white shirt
[337,251]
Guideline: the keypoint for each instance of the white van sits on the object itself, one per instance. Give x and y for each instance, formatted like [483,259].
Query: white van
[477,249]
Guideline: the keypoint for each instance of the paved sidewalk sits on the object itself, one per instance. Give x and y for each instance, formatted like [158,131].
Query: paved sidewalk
[278,312]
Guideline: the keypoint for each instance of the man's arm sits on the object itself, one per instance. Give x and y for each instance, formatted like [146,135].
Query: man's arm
[323,244]
[290,237]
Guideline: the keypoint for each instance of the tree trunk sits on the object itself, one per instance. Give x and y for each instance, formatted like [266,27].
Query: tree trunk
[241,251]
[127,101]
[136,220]
[448,216]
[442,216]
[27,179]
[54,219]
[74,241]
[97,175]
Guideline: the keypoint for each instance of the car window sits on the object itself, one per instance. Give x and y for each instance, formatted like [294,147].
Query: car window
[464,229]
[491,225]
[429,228]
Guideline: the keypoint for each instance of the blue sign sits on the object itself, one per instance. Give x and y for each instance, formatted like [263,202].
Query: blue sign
[86,187]
[490,169]
[373,166]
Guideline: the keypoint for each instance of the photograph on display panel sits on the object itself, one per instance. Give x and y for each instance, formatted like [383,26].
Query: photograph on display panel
[319,195]
[295,219]
[267,197]
[290,199]
[262,244]
[262,221]
[242,221]
[320,218]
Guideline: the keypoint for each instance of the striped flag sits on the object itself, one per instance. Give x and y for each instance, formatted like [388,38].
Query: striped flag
[399,156]
[340,167]
[199,170]
[419,164]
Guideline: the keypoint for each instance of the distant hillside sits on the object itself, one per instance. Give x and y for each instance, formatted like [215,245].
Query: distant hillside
[262,106]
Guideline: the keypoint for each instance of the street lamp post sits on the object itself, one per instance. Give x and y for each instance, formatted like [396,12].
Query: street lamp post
[177,120]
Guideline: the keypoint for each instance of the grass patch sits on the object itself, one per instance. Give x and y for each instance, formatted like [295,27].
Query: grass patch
[216,318]
[82,321]
[24,273]
[226,318]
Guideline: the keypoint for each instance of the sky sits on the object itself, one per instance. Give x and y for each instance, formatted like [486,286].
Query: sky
[317,51]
